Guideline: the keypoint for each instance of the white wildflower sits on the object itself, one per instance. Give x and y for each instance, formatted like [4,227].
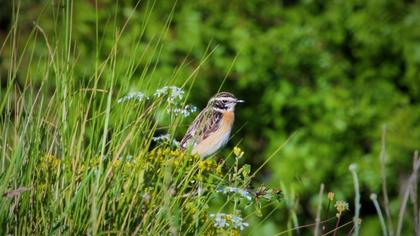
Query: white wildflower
[162,138]
[239,223]
[165,138]
[138,96]
[129,158]
[219,220]
[244,193]
[222,220]
[185,111]
[174,96]
[174,93]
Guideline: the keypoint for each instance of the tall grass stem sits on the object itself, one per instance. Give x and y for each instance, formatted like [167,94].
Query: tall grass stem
[357,205]
[319,209]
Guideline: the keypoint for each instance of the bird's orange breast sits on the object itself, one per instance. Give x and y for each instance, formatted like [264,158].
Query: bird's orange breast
[228,118]
[218,138]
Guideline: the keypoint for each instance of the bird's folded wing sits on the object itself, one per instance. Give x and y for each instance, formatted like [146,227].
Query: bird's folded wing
[204,124]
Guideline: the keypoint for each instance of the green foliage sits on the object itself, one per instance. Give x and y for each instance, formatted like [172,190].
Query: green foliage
[328,74]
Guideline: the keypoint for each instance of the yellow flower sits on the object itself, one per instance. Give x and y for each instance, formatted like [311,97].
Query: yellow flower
[238,152]
[116,163]
[50,162]
[219,170]
[201,165]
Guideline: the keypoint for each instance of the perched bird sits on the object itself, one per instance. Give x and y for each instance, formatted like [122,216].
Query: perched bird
[211,128]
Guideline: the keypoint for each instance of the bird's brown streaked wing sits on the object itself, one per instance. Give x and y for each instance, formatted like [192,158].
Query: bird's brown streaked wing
[212,124]
[205,124]
[198,121]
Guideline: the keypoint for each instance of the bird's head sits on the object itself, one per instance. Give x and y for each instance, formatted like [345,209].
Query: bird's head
[223,102]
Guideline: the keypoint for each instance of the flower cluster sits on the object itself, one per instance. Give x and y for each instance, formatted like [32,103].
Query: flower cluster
[173,95]
[209,165]
[185,111]
[162,138]
[49,162]
[165,138]
[242,192]
[137,96]
[223,220]
[46,171]
[341,207]
[178,160]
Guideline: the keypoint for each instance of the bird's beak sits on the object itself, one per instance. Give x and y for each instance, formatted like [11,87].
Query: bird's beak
[240,101]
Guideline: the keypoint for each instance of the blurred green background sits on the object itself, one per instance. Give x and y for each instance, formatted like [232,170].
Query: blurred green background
[331,73]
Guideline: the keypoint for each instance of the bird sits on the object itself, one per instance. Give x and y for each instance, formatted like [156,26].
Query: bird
[211,129]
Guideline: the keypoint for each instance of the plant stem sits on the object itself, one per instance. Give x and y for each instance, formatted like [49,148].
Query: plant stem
[318,214]
[336,225]
[357,205]
[373,197]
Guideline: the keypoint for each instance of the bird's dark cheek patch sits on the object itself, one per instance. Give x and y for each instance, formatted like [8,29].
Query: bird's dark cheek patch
[220,105]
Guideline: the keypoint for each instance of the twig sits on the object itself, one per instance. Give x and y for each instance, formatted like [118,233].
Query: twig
[410,182]
[318,212]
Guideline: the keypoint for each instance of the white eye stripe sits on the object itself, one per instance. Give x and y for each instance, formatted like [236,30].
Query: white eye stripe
[227,99]
[218,109]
